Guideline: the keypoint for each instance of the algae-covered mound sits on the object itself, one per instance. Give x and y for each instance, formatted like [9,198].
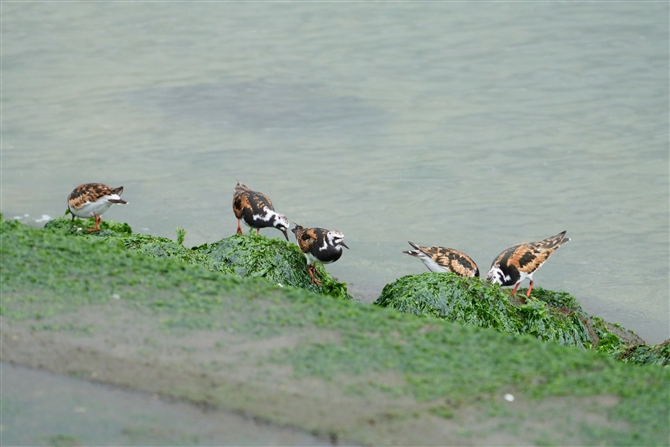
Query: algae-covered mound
[273,259]
[79,227]
[471,301]
[121,233]
[548,315]
[276,261]
[657,354]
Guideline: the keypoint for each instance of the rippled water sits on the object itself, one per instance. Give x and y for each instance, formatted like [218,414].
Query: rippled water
[473,126]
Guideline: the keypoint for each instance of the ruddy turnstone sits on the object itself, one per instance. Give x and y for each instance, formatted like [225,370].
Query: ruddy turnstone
[520,261]
[443,259]
[93,199]
[319,245]
[257,211]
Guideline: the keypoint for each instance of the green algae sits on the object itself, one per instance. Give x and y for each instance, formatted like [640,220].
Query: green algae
[444,365]
[249,256]
[449,366]
[45,273]
[80,227]
[274,260]
[548,315]
[472,301]
[645,354]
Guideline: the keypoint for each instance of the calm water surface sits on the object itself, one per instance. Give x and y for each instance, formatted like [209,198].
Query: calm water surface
[473,126]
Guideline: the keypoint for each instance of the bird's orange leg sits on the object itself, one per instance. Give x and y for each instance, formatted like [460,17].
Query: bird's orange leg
[239,229]
[516,287]
[258,231]
[529,289]
[98,219]
[312,270]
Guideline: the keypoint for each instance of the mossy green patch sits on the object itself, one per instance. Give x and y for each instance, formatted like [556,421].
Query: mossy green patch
[274,260]
[250,256]
[449,366]
[441,365]
[547,315]
[45,273]
[472,301]
[80,227]
[642,354]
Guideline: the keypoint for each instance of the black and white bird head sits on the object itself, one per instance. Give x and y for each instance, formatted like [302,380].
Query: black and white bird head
[280,222]
[336,239]
[496,276]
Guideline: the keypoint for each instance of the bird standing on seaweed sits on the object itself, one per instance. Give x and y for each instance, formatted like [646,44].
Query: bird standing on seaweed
[257,211]
[92,200]
[520,261]
[443,259]
[319,245]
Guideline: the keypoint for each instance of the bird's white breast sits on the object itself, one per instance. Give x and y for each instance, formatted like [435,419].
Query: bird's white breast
[89,209]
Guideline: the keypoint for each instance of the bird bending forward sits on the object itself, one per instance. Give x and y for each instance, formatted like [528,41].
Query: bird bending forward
[319,245]
[256,210]
[92,200]
[520,261]
[443,259]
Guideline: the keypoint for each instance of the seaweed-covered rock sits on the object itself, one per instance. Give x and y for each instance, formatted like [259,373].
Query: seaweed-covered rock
[624,344]
[160,247]
[79,227]
[273,259]
[473,301]
[250,255]
[656,354]
[121,233]
[548,315]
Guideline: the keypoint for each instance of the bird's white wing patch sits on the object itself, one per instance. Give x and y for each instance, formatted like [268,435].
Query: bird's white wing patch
[428,262]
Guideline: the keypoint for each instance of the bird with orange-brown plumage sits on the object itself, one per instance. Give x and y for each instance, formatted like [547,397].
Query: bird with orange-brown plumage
[521,261]
[257,211]
[92,200]
[319,245]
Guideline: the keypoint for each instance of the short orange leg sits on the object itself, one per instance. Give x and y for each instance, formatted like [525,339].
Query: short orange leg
[258,231]
[523,300]
[529,289]
[239,229]
[311,269]
[98,219]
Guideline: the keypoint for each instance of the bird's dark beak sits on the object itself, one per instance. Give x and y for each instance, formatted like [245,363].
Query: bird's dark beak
[344,245]
[283,230]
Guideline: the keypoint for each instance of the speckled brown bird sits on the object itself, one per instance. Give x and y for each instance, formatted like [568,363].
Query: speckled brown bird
[92,200]
[257,211]
[319,245]
[443,259]
[520,261]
